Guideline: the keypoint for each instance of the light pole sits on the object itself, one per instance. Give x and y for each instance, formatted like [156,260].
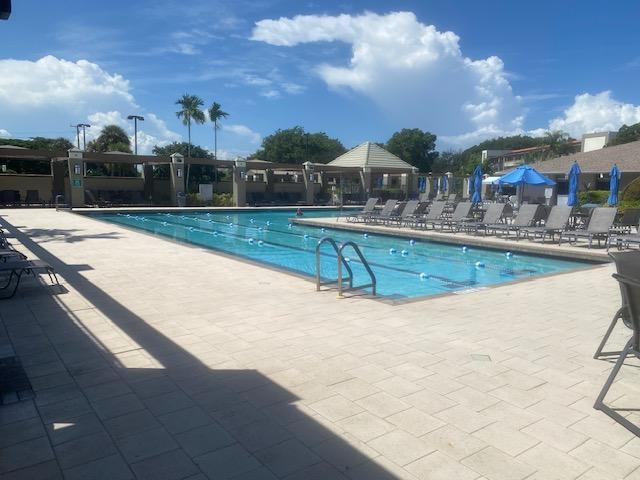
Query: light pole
[84,126]
[135,119]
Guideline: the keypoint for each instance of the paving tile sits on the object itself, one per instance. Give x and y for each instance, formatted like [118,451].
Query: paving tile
[168,402]
[506,438]
[130,423]
[200,440]
[398,386]
[365,426]
[65,430]
[287,457]
[354,388]
[343,454]
[174,465]
[428,401]
[555,435]
[612,434]
[496,465]
[64,410]
[48,470]
[145,444]
[84,449]
[184,420]
[606,458]
[437,466]
[261,473]
[415,421]
[454,442]
[17,432]
[227,462]
[401,447]
[382,404]
[336,408]
[553,463]
[116,406]
[111,467]
[25,454]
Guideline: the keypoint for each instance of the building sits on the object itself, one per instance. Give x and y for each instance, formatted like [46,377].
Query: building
[596,141]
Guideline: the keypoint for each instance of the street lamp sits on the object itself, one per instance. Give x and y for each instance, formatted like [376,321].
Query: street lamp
[82,126]
[5,9]
[135,119]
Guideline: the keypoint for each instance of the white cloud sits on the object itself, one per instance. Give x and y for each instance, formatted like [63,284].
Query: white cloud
[51,81]
[244,131]
[270,93]
[49,94]
[592,113]
[413,71]
[4,133]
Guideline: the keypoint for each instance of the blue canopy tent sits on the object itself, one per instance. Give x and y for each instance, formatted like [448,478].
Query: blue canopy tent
[477,186]
[524,175]
[614,185]
[574,177]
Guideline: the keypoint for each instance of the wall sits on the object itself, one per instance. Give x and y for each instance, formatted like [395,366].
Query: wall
[22,183]
[114,183]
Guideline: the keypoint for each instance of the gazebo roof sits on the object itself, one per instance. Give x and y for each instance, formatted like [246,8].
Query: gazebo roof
[370,155]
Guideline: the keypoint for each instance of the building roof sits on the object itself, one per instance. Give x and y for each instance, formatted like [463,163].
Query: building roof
[370,155]
[626,156]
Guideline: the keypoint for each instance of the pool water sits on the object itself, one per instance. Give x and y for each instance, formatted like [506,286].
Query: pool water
[404,268]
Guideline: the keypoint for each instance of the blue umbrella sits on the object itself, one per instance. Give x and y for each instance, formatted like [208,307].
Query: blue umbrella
[443,184]
[477,185]
[525,175]
[614,184]
[574,176]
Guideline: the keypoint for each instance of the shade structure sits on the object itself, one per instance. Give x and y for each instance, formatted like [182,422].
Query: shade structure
[574,177]
[614,184]
[525,175]
[477,185]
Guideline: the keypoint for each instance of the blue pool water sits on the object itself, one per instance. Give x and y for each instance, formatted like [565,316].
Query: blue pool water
[404,269]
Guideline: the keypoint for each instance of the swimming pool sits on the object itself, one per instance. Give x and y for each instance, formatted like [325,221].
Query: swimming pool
[404,268]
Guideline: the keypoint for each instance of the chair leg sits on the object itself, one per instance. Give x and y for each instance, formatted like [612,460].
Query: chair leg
[599,404]
[605,339]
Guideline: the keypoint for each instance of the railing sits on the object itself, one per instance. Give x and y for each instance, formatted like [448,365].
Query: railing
[342,262]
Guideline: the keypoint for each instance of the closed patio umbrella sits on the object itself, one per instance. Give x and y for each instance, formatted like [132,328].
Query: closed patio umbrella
[574,177]
[477,185]
[443,184]
[614,184]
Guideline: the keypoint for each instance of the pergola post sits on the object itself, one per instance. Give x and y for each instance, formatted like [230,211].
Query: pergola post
[365,178]
[76,177]
[309,184]
[176,172]
[240,182]
[147,174]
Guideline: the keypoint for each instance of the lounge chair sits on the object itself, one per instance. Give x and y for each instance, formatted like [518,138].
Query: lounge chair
[631,288]
[408,210]
[452,199]
[492,216]
[598,227]
[416,215]
[627,265]
[556,224]
[462,211]
[386,211]
[367,210]
[17,268]
[621,234]
[525,218]
[433,216]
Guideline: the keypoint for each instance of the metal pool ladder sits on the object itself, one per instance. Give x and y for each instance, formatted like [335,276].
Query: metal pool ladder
[342,262]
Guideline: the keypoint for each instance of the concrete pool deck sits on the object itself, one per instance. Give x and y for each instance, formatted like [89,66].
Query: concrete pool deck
[162,360]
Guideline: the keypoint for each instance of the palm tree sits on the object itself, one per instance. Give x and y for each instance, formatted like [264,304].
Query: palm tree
[215,114]
[190,110]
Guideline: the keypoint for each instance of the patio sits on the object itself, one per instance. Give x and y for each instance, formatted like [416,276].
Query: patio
[168,361]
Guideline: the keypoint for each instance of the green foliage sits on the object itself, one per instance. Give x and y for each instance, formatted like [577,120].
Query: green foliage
[182,148]
[219,200]
[112,170]
[593,196]
[294,145]
[216,114]
[112,138]
[626,134]
[632,191]
[190,109]
[40,143]
[414,147]
[628,204]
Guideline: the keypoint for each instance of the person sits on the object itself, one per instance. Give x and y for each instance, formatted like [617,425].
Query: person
[299,212]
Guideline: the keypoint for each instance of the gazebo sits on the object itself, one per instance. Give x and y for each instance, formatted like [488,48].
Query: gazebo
[378,169]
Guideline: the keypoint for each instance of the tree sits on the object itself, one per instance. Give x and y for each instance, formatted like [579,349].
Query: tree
[40,143]
[216,114]
[560,143]
[415,147]
[626,134]
[197,173]
[190,111]
[294,145]
[182,148]
[112,138]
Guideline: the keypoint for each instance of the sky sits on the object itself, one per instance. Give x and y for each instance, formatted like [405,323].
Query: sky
[359,71]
